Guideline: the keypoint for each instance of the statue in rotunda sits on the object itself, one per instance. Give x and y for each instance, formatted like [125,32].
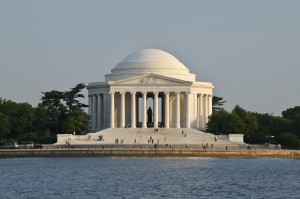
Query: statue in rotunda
[149,113]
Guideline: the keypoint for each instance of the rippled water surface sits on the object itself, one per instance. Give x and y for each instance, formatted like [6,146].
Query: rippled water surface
[86,178]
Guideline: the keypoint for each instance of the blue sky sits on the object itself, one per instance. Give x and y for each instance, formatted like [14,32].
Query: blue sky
[248,49]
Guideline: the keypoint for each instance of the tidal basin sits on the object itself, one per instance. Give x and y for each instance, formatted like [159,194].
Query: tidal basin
[107,177]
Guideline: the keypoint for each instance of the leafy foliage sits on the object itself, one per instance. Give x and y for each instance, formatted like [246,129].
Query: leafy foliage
[59,112]
[217,103]
[5,125]
[249,119]
[293,114]
[65,112]
[289,140]
[258,128]
[70,97]
[222,122]
[16,118]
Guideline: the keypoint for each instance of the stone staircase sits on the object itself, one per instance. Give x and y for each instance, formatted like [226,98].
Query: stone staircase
[161,136]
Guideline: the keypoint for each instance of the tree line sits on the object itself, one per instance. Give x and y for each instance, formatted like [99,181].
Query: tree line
[258,128]
[58,112]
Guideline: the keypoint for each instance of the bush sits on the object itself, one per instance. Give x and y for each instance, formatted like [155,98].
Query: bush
[289,140]
[255,138]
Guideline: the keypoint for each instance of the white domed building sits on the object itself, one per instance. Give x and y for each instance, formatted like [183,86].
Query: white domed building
[150,78]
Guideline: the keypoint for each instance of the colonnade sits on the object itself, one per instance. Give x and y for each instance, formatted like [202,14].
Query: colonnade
[102,109]
[204,104]
[98,110]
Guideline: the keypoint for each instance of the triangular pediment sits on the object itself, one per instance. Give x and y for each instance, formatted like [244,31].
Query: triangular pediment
[151,79]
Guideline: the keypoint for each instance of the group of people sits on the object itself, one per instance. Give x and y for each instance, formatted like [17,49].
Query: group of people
[153,141]
[117,141]
[100,138]
[183,133]
[206,146]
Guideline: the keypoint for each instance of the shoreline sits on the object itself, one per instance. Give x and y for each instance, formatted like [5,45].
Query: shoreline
[98,152]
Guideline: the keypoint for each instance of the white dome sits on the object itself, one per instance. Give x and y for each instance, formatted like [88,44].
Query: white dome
[148,61]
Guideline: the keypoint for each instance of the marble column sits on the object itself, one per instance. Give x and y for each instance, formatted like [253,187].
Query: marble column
[112,110]
[137,109]
[187,110]
[177,110]
[210,105]
[122,109]
[155,119]
[100,111]
[94,111]
[198,111]
[167,125]
[144,111]
[91,109]
[133,111]
[201,121]
[205,110]
[104,118]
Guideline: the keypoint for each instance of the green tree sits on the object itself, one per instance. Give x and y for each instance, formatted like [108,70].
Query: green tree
[289,140]
[248,118]
[20,116]
[4,126]
[25,115]
[43,122]
[279,126]
[71,97]
[217,103]
[293,114]
[65,111]
[55,109]
[77,121]
[222,122]
[265,122]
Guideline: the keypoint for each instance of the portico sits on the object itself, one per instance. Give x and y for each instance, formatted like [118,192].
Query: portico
[152,78]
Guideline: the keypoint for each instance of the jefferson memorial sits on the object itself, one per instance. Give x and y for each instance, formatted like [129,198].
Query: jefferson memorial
[149,88]
[150,95]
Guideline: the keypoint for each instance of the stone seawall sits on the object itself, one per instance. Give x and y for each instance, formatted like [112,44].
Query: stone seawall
[145,153]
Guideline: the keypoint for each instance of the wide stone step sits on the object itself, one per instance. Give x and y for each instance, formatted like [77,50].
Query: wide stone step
[141,136]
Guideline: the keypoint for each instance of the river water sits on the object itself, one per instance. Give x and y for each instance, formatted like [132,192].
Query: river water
[85,178]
